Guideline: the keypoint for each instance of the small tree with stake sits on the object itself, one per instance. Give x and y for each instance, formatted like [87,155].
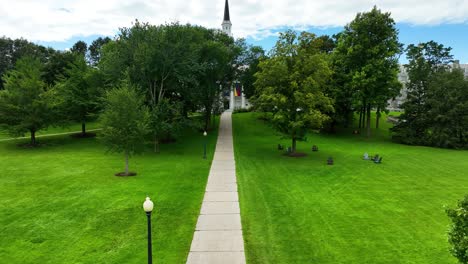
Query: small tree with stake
[125,123]
[458,233]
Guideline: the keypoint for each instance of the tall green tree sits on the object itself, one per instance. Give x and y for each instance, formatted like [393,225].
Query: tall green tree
[425,60]
[125,122]
[216,58]
[95,50]
[25,104]
[81,91]
[291,86]
[161,61]
[368,51]
[182,64]
[447,103]
[80,47]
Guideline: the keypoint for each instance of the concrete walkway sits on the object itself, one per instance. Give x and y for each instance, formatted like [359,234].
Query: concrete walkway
[218,235]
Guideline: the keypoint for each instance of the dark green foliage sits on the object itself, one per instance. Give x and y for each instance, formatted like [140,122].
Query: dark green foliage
[55,67]
[447,101]
[326,43]
[12,50]
[366,65]
[124,122]
[435,109]
[216,56]
[80,91]
[178,65]
[458,233]
[290,84]
[25,103]
[80,47]
[166,122]
[95,50]
[247,63]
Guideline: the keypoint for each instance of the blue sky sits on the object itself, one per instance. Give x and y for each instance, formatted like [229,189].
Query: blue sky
[451,35]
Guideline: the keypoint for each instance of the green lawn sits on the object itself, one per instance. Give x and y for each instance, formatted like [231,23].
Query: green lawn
[56,130]
[61,203]
[300,210]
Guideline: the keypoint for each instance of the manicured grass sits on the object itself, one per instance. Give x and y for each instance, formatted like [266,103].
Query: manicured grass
[56,130]
[300,210]
[61,203]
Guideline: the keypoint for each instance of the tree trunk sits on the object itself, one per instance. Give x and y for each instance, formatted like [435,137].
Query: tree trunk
[368,120]
[360,117]
[207,119]
[293,149]
[126,163]
[33,137]
[333,127]
[156,144]
[364,115]
[377,119]
[83,128]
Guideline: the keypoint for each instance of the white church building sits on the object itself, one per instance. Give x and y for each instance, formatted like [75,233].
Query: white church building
[237,99]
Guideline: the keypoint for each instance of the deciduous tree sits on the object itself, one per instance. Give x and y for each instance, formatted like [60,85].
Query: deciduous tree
[291,86]
[368,51]
[124,122]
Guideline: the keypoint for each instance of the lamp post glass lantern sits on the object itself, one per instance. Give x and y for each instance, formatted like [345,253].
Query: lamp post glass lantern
[204,145]
[148,207]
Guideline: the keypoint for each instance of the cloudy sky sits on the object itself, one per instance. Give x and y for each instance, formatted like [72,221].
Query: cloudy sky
[59,23]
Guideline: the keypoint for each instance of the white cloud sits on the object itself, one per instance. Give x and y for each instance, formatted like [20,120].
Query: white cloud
[58,20]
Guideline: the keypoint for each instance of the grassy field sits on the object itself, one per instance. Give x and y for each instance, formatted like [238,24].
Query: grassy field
[300,210]
[61,203]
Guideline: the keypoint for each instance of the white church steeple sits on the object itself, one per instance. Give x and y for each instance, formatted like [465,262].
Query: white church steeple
[227,20]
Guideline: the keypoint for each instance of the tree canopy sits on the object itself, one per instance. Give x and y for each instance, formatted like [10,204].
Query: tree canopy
[427,119]
[80,90]
[290,84]
[124,122]
[25,103]
[366,63]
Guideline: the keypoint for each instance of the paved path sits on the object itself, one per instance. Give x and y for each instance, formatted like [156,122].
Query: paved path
[218,235]
[51,135]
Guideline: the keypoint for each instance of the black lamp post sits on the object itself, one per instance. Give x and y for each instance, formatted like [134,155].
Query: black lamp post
[204,148]
[148,207]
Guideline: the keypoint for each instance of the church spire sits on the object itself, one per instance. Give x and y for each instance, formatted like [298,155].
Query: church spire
[226,12]
[227,20]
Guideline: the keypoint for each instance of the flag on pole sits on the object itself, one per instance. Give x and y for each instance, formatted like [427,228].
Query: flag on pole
[237,89]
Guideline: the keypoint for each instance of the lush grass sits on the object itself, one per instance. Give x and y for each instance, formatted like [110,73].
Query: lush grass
[61,203]
[56,130]
[300,210]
